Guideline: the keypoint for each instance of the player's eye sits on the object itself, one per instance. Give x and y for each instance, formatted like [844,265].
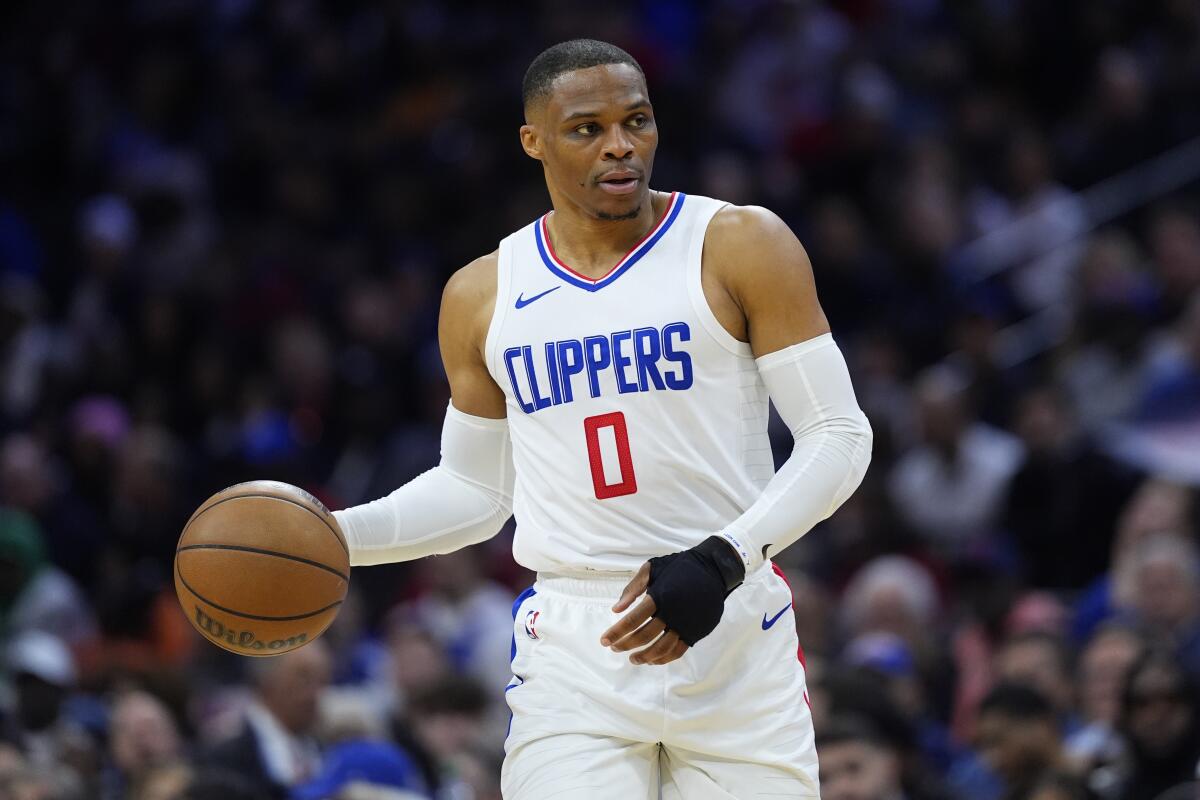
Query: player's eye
[639,121]
[588,129]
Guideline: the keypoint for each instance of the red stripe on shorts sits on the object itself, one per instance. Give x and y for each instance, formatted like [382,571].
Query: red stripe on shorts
[799,647]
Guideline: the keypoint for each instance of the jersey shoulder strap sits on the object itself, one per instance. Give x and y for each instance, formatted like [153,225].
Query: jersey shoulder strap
[509,257]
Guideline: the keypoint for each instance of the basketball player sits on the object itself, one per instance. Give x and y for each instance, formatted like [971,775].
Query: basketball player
[609,368]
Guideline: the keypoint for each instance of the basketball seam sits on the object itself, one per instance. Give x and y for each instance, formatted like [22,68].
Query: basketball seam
[260,551]
[259,617]
[205,510]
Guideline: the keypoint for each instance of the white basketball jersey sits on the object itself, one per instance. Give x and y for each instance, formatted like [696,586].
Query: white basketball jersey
[639,425]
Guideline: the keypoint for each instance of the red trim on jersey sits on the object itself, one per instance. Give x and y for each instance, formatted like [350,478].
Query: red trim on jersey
[799,647]
[550,246]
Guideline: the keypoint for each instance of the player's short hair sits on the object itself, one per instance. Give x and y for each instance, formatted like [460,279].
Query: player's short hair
[567,57]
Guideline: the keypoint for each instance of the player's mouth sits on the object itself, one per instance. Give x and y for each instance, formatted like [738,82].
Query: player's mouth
[620,182]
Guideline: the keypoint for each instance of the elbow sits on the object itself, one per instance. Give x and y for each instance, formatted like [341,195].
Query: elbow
[859,441]
[865,436]
[502,513]
[845,443]
[848,435]
[502,506]
[862,442]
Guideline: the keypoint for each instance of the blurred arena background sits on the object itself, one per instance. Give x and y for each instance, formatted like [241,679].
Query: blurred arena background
[224,228]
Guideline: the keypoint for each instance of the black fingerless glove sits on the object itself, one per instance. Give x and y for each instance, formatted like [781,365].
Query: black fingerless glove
[689,587]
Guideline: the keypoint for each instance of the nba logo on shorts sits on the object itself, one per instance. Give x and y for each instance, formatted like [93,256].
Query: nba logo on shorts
[530,623]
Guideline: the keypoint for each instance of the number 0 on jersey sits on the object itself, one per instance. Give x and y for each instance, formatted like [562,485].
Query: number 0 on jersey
[593,428]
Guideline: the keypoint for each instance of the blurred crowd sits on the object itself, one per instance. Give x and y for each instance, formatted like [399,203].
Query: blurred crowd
[224,227]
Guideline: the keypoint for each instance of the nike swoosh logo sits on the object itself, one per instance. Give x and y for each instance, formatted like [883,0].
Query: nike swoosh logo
[767,623]
[522,302]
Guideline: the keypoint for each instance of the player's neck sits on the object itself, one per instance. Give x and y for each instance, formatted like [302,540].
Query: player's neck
[592,246]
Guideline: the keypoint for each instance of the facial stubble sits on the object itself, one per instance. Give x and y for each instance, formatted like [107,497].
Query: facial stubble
[604,215]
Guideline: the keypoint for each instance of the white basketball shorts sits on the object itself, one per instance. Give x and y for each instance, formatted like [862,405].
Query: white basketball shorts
[730,719]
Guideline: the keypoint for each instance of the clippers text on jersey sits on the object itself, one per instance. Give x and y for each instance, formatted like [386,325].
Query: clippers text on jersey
[639,360]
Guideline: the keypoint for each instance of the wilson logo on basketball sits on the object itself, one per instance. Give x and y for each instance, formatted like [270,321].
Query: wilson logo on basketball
[243,639]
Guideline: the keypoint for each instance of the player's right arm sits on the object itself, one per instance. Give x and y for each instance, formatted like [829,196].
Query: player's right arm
[468,303]
[467,497]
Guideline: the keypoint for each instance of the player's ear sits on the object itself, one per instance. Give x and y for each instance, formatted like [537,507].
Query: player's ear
[531,142]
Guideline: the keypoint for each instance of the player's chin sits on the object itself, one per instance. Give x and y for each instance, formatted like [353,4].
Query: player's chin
[619,206]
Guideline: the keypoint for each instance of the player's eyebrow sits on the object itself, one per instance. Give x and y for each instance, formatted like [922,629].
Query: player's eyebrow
[636,104]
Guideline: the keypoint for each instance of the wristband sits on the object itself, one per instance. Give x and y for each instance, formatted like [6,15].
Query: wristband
[727,562]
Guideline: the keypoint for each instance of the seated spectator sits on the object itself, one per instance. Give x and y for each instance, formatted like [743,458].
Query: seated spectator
[1156,506]
[1103,667]
[32,481]
[1018,742]
[442,721]
[469,614]
[1160,720]
[142,736]
[1103,370]
[862,693]
[1158,589]
[44,675]
[1041,661]
[897,595]
[951,487]
[1174,239]
[416,662]
[1172,391]
[360,659]
[857,763]
[1064,498]
[275,748]
[34,594]
[888,656]
[892,594]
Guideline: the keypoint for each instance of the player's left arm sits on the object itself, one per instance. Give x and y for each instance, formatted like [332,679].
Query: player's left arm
[805,375]
[759,282]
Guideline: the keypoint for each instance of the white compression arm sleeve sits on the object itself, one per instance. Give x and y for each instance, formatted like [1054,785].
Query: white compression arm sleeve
[464,500]
[810,386]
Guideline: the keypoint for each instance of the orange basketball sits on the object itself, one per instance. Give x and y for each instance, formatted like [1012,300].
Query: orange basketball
[261,568]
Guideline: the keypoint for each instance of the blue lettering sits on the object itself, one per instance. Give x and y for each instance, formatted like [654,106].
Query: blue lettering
[647,350]
[538,401]
[509,355]
[569,366]
[620,362]
[684,379]
[552,365]
[595,349]
[635,358]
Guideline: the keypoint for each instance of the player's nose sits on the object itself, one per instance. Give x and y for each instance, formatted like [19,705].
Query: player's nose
[617,143]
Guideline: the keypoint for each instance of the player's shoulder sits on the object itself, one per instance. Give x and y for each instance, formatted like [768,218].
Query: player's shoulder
[470,294]
[475,281]
[752,238]
[746,225]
